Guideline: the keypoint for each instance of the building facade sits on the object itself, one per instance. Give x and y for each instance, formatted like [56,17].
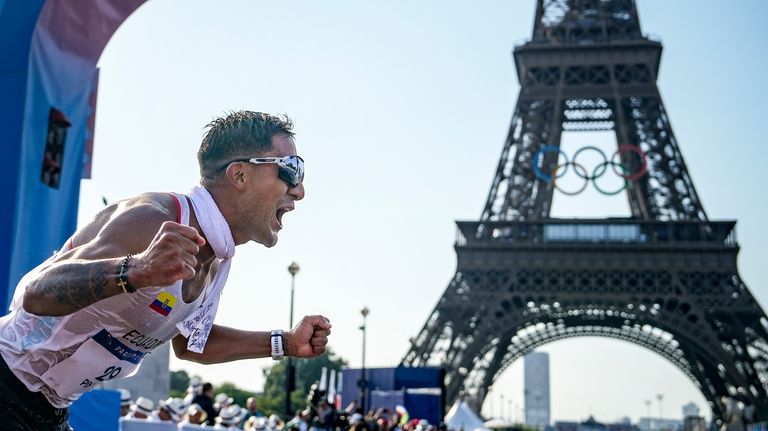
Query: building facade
[536,381]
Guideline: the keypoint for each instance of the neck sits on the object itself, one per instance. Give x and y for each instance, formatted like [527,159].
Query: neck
[223,196]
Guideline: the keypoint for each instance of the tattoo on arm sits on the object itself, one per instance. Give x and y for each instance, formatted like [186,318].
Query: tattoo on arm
[74,285]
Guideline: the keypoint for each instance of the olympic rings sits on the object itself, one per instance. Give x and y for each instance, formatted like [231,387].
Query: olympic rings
[623,148]
[535,162]
[613,164]
[576,168]
[619,167]
[603,164]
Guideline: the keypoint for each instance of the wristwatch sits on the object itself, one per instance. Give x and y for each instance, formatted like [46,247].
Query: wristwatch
[276,340]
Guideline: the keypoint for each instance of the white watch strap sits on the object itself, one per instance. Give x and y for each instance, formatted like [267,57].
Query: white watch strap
[276,341]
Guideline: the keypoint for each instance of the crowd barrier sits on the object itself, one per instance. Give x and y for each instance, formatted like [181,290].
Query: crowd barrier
[142,425]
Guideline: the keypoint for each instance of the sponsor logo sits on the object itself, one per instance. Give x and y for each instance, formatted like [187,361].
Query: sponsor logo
[118,349]
[163,303]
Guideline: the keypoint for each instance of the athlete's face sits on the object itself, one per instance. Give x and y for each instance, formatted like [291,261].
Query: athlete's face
[270,197]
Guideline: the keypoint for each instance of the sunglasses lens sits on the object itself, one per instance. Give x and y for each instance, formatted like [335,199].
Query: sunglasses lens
[292,170]
[287,175]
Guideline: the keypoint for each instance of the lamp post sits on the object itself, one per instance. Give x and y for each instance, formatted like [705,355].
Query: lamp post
[660,397]
[290,380]
[365,311]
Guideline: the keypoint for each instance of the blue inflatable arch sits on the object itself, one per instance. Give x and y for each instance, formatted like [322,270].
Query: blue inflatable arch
[48,83]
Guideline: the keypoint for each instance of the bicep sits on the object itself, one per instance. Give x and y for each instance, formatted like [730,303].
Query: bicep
[128,228]
[85,274]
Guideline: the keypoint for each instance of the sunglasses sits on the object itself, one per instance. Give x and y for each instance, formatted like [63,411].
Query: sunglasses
[289,168]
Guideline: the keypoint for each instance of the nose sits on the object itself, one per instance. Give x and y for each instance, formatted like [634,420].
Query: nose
[297,192]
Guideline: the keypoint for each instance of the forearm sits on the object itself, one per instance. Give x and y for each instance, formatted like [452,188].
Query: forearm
[72,285]
[306,340]
[228,344]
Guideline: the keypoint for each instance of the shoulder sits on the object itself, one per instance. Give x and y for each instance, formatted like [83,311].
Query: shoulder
[147,207]
[132,222]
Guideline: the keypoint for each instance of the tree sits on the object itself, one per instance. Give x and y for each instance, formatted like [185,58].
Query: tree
[238,395]
[308,371]
[179,383]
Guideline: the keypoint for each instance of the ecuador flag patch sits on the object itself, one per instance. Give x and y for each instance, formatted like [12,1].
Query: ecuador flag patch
[163,303]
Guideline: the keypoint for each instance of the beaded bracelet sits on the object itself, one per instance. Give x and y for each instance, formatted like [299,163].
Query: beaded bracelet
[122,277]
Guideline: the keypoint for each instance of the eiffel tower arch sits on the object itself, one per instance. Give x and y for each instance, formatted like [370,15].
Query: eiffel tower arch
[665,278]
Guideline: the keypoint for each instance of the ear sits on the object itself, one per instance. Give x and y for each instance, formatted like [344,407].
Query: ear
[236,175]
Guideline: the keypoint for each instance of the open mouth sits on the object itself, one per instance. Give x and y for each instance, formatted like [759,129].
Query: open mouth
[279,214]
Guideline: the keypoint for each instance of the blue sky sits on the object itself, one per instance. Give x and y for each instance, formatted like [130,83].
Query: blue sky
[401,110]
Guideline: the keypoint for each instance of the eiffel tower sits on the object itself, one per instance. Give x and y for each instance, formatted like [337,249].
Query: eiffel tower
[665,278]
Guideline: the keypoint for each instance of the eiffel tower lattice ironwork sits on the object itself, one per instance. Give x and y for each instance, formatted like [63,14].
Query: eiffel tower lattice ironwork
[665,278]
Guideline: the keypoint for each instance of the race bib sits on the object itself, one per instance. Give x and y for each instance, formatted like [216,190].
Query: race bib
[100,358]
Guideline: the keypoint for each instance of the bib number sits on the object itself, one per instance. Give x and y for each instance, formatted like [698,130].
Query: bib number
[99,359]
[109,374]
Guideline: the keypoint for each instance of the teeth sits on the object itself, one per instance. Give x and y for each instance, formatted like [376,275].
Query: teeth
[279,214]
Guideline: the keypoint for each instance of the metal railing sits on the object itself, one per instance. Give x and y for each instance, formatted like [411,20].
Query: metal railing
[614,231]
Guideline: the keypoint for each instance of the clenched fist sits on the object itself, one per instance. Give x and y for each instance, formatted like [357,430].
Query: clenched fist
[309,337]
[168,258]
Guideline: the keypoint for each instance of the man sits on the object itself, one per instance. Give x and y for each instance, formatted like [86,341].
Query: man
[195,388]
[125,402]
[205,401]
[252,410]
[228,418]
[171,410]
[195,416]
[222,401]
[150,269]
[143,409]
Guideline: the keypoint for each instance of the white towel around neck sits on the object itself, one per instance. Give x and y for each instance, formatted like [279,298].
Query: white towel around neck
[198,325]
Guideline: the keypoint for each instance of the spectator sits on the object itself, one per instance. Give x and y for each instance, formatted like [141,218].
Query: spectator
[274,423]
[143,408]
[256,423]
[382,424]
[195,388]
[125,402]
[172,409]
[424,425]
[195,415]
[326,414]
[205,401]
[228,418]
[252,410]
[222,401]
[356,421]
[296,423]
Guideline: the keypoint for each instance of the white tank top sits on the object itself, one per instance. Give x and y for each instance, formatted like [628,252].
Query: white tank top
[62,357]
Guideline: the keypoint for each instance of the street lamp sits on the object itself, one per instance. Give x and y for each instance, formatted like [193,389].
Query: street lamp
[290,381]
[660,397]
[293,269]
[365,311]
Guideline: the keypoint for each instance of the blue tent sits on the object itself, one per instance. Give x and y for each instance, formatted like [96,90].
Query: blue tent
[97,410]
[421,390]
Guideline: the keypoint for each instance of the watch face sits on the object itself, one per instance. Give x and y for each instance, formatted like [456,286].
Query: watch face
[277,344]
